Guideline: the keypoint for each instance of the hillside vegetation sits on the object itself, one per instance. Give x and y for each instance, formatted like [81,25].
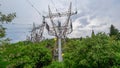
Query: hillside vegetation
[98,51]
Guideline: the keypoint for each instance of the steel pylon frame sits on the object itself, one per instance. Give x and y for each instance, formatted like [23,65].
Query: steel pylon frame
[36,33]
[60,31]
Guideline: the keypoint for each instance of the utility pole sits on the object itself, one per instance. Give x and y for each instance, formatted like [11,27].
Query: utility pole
[60,30]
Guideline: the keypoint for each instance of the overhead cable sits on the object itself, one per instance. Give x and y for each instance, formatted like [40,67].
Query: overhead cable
[76,5]
[54,6]
[33,7]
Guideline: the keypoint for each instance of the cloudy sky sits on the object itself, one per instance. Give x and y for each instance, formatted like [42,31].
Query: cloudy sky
[95,15]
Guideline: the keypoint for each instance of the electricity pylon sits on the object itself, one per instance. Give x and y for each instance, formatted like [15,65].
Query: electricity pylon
[60,30]
[36,33]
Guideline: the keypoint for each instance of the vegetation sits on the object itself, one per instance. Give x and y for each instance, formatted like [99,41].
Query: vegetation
[113,31]
[25,55]
[5,18]
[100,51]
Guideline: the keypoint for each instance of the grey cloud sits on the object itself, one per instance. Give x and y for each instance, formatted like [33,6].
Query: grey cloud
[98,26]
[84,21]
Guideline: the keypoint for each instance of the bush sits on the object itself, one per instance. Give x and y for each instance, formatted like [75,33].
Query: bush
[100,51]
[56,64]
[22,55]
[96,52]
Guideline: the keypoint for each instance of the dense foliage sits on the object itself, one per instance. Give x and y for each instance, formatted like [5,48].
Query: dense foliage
[113,31]
[100,51]
[25,55]
[97,51]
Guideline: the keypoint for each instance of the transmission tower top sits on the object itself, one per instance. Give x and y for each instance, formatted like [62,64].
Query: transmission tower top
[62,14]
[65,28]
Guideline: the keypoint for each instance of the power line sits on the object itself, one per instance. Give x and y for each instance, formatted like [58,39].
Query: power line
[16,29]
[11,30]
[19,24]
[54,6]
[17,32]
[33,7]
[76,5]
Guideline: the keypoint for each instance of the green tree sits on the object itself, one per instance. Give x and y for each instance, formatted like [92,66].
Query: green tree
[113,31]
[2,31]
[5,18]
[118,36]
[93,34]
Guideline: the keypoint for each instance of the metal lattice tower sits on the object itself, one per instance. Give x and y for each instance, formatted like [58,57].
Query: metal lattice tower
[59,30]
[36,33]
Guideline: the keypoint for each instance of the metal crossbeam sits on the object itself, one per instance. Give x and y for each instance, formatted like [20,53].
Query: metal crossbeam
[54,15]
[36,33]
